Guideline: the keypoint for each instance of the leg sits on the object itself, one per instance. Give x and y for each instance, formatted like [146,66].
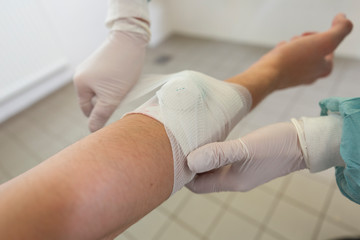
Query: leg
[110,179]
[302,61]
[274,151]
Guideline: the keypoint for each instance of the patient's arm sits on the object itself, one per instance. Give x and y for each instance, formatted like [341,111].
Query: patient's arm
[99,185]
[107,181]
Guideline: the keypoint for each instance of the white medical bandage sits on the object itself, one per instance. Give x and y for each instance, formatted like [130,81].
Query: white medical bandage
[195,109]
[320,139]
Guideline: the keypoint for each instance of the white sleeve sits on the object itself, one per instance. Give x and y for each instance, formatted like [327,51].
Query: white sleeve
[128,15]
[320,139]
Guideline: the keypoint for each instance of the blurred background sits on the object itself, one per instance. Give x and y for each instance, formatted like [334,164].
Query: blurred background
[42,42]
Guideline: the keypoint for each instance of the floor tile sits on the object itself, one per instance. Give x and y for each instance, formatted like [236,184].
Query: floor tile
[37,140]
[122,237]
[307,192]
[199,212]
[275,185]
[177,201]
[239,130]
[260,118]
[178,232]
[233,227]
[331,230]
[3,135]
[221,197]
[292,222]
[271,236]
[3,177]
[255,204]
[20,123]
[325,177]
[349,80]
[344,211]
[62,125]
[15,159]
[148,226]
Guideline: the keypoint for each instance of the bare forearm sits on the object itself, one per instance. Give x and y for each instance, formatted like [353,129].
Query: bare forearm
[101,184]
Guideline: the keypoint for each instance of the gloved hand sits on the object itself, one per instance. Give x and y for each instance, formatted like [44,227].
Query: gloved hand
[242,164]
[105,77]
[267,153]
[108,74]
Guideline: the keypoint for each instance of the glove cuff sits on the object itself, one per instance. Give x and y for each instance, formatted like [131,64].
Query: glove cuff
[299,126]
[320,139]
[132,25]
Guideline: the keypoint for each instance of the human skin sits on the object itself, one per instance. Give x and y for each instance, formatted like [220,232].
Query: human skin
[104,183]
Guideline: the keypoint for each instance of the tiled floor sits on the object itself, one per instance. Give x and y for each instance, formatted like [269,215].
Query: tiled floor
[300,206]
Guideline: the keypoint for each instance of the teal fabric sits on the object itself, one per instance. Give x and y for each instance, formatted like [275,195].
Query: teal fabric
[348,177]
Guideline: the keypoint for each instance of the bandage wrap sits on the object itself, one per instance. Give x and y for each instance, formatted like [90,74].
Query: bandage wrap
[195,109]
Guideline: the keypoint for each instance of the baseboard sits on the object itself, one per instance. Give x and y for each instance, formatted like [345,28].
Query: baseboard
[33,94]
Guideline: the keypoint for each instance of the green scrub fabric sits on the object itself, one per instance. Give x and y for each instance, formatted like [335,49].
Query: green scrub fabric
[348,177]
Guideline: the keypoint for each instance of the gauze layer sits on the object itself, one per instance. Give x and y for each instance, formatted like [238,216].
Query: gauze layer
[320,139]
[195,109]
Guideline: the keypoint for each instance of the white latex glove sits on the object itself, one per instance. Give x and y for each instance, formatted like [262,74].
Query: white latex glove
[267,153]
[105,77]
[242,164]
[108,74]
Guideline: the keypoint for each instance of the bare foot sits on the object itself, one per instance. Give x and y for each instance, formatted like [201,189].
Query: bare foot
[308,57]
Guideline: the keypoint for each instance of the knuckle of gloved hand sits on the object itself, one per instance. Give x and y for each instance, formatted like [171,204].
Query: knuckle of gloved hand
[78,77]
[82,77]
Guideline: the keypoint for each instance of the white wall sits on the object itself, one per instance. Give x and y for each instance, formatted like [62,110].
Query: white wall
[263,22]
[79,26]
[161,21]
[76,29]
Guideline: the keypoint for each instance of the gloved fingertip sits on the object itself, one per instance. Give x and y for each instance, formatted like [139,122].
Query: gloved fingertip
[198,160]
[100,115]
[204,183]
[86,109]
[94,127]
[191,160]
[96,123]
